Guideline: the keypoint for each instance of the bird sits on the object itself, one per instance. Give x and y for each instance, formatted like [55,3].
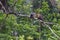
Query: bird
[36,16]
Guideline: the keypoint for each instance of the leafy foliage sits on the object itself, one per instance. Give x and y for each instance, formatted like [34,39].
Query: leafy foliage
[28,28]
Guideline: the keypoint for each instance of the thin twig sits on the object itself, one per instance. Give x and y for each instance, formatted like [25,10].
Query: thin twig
[50,29]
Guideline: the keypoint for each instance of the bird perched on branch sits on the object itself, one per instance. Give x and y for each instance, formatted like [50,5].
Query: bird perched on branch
[36,16]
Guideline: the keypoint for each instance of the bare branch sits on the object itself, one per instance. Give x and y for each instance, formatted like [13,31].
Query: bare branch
[25,15]
[46,24]
[52,31]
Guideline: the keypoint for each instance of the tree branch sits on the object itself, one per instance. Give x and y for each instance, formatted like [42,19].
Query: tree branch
[46,24]
[52,31]
[3,8]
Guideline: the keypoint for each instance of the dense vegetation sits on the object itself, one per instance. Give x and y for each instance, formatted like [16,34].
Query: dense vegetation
[17,27]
